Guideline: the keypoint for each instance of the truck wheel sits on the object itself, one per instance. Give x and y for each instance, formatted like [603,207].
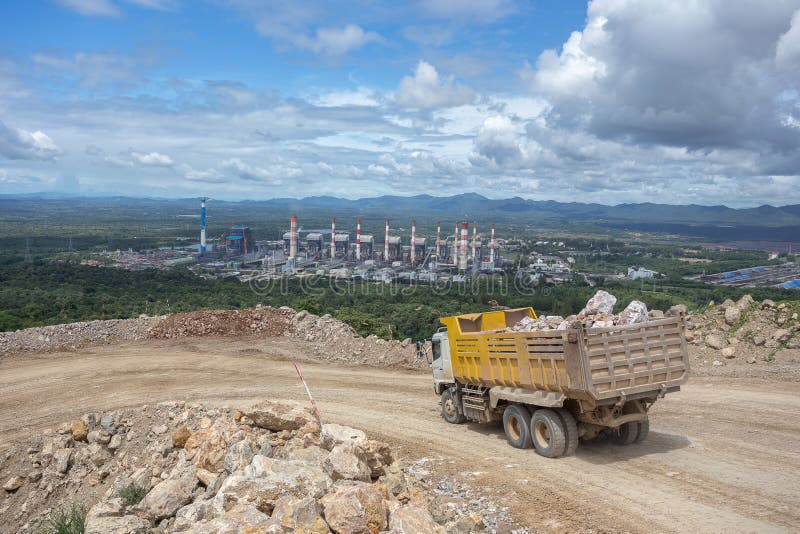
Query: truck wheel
[516,424]
[626,433]
[450,409]
[549,436]
[644,429]
[570,430]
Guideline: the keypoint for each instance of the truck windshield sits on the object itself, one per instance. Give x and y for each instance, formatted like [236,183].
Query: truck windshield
[436,348]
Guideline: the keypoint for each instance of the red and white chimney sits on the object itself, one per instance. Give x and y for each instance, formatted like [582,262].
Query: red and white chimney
[386,243]
[333,237]
[462,260]
[413,240]
[358,239]
[455,245]
[438,238]
[474,240]
[293,237]
[491,246]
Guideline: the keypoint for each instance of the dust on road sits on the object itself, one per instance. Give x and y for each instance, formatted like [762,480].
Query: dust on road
[722,455]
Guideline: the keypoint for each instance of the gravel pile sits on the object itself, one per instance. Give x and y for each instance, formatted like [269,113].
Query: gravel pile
[262,322]
[75,335]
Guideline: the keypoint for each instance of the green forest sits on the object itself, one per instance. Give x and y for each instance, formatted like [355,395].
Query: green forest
[40,293]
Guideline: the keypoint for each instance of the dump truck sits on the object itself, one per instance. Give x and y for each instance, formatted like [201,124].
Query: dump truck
[552,388]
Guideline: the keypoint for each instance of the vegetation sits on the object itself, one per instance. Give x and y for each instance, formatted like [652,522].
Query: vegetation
[64,520]
[40,294]
[132,494]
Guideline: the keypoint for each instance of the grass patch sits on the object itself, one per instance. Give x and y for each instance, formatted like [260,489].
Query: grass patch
[132,494]
[64,520]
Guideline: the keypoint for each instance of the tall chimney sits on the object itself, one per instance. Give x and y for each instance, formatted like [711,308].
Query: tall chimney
[438,239]
[333,237]
[462,259]
[491,246]
[358,239]
[474,241]
[293,237]
[455,245]
[386,243]
[413,240]
[203,226]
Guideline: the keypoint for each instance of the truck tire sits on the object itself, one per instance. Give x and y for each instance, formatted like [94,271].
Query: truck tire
[644,430]
[570,430]
[516,423]
[548,433]
[451,411]
[626,433]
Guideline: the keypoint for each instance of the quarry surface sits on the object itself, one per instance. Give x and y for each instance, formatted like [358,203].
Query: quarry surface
[722,454]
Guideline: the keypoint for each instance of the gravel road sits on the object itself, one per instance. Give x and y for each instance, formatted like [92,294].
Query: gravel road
[722,455]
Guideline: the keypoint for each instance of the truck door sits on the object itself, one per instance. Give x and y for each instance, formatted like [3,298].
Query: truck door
[442,368]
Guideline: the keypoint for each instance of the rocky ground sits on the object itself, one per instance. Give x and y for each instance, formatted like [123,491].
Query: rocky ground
[177,467]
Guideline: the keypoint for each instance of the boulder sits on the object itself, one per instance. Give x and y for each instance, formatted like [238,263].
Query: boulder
[13,483]
[379,456]
[62,459]
[601,302]
[107,423]
[244,519]
[79,430]
[238,456]
[97,454]
[781,335]
[732,315]
[728,352]
[413,519]
[356,509]
[207,449]
[767,304]
[266,480]
[759,340]
[745,302]
[115,442]
[655,314]
[346,462]
[180,436]
[715,341]
[109,517]
[333,434]
[278,415]
[98,436]
[635,312]
[299,514]
[677,310]
[167,497]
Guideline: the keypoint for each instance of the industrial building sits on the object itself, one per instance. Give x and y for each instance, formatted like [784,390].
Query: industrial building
[786,276]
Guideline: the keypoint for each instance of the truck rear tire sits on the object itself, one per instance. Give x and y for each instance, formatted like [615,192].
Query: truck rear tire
[451,411]
[644,430]
[516,423]
[626,433]
[570,430]
[548,433]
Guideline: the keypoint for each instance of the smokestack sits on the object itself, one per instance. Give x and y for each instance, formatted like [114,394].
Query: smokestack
[203,226]
[462,257]
[438,238]
[413,240]
[333,237]
[474,240]
[386,243]
[358,239]
[491,246]
[455,245]
[293,237]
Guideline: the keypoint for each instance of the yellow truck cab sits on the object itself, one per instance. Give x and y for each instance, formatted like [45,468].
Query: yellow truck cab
[554,387]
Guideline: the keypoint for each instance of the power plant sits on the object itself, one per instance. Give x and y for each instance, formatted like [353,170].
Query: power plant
[334,251]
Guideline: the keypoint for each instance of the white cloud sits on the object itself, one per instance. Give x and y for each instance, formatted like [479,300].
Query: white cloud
[337,41]
[89,70]
[482,11]
[101,8]
[787,51]
[16,143]
[153,159]
[426,90]
[359,97]
[158,5]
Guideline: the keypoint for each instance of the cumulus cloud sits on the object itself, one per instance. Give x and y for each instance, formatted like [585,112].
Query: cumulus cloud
[16,143]
[337,41]
[427,90]
[499,144]
[152,159]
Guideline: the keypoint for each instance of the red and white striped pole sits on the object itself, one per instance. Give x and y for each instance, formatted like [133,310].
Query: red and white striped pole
[474,240]
[358,239]
[308,392]
[333,237]
[386,243]
[455,246]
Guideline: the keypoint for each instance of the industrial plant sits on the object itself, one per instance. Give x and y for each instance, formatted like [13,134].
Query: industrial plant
[347,252]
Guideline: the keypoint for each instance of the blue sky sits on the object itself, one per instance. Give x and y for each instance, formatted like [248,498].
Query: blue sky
[611,101]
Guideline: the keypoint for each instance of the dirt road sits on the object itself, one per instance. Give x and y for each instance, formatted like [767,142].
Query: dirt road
[723,455]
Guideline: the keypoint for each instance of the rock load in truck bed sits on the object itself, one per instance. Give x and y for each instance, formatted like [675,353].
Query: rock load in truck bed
[596,314]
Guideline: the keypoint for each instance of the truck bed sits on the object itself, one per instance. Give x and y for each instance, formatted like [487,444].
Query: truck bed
[583,363]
